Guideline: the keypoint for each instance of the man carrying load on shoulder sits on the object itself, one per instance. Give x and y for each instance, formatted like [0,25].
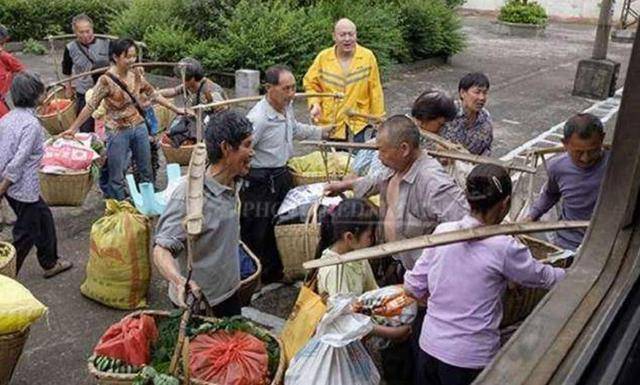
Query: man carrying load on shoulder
[216,267]
[351,69]
[274,129]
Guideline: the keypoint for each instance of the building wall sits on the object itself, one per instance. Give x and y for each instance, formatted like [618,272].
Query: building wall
[563,9]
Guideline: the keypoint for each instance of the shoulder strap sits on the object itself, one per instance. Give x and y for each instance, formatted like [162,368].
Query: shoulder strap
[135,101]
[85,53]
[204,80]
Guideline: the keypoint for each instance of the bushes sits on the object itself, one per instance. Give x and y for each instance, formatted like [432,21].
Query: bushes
[143,15]
[38,18]
[168,43]
[521,11]
[430,28]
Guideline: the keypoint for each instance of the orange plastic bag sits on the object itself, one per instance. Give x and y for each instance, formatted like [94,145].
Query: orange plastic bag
[225,358]
[129,340]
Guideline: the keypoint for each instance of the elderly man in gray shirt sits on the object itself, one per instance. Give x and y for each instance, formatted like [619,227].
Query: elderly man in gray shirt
[216,267]
[274,129]
[416,194]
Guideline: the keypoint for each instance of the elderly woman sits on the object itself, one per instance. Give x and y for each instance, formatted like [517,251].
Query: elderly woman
[122,87]
[430,111]
[21,149]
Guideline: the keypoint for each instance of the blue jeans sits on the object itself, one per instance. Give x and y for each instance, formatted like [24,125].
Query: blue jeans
[119,143]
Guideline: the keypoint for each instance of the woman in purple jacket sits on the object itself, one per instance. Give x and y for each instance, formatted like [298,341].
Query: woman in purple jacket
[463,284]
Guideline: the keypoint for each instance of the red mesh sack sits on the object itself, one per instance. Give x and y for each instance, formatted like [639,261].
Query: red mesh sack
[224,358]
[129,340]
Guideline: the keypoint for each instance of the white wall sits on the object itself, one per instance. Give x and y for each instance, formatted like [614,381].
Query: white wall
[586,9]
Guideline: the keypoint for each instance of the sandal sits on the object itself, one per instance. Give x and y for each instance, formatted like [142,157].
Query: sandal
[60,267]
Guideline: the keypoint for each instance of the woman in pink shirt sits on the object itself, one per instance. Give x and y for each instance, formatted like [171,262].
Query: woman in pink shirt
[463,284]
[9,65]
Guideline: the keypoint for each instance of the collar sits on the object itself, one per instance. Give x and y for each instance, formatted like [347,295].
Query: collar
[272,113]
[481,118]
[359,54]
[87,45]
[215,187]
[411,175]
[469,221]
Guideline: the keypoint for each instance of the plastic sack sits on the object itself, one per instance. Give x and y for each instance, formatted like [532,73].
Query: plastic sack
[313,165]
[302,321]
[305,195]
[118,270]
[224,358]
[129,340]
[18,307]
[335,356]
[388,306]
[69,153]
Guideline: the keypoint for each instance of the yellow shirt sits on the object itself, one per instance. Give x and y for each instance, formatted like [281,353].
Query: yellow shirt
[357,277]
[360,85]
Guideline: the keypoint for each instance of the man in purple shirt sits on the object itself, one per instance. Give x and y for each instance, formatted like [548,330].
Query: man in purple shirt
[574,177]
[21,149]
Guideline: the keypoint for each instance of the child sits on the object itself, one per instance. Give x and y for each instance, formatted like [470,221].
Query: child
[350,226]
[465,282]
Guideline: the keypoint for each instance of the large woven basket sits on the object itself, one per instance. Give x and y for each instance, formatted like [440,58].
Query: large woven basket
[105,378]
[297,244]
[10,350]
[520,301]
[8,263]
[65,189]
[300,179]
[180,155]
[249,285]
[59,121]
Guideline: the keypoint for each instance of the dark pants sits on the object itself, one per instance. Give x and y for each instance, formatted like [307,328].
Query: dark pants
[432,371]
[34,226]
[89,124]
[399,359]
[227,308]
[261,196]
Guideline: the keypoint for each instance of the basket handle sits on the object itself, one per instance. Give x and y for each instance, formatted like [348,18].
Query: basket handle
[312,219]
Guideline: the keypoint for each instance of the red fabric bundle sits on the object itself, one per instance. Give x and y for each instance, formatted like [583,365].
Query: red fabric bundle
[225,358]
[129,340]
[55,105]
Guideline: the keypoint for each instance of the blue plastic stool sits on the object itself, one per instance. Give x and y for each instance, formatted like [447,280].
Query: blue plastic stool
[146,200]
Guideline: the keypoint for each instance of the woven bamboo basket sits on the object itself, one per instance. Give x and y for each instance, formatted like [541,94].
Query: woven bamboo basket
[8,264]
[60,121]
[106,378]
[249,285]
[518,301]
[65,189]
[297,244]
[300,179]
[10,351]
[164,115]
[180,155]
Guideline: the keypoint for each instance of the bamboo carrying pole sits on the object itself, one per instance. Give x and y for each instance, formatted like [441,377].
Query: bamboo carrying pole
[555,150]
[104,69]
[440,239]
[449,154]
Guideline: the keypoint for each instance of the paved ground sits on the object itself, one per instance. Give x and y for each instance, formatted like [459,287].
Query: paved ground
[531,91]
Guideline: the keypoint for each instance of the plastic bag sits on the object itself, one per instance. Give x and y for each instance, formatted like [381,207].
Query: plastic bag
[118,271]
[305,195]
[313,164]
[129,340]
[335,356]
[18,307]
[388,306]
[301,324]
[69,153]
[247,265]
[224,358]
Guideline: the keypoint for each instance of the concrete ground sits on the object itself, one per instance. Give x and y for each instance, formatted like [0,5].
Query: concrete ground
[530,92]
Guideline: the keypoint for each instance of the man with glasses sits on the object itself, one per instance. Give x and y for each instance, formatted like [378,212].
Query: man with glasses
[351,69]
[574,177]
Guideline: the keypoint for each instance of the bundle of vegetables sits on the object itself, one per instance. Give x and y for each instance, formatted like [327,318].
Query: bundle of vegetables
[5,251]
[54,106]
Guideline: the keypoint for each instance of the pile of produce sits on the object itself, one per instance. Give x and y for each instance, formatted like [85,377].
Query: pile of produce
[54,106]
[228,351]
[313,164]
[5,251]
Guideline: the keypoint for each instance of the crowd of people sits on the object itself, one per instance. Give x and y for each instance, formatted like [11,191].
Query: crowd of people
[461,284]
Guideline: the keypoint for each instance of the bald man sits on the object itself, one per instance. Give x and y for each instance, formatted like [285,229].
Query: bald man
[348,68]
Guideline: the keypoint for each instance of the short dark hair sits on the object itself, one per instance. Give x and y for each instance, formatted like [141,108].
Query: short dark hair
[401,128]
[487,184]
[585,125]
[192,70]
[120,46]
[433,104]
[26,89]
[225,126]
[469,80]
[272,74]
[80,17]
